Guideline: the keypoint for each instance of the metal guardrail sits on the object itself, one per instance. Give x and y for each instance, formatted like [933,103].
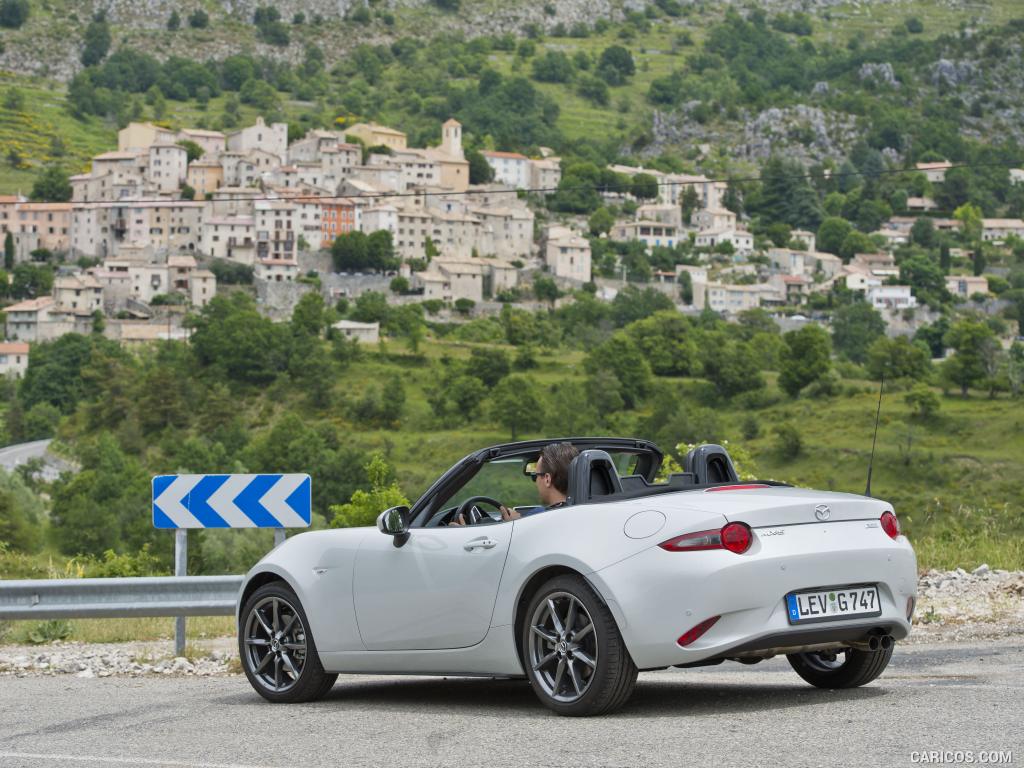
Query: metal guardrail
[119,597]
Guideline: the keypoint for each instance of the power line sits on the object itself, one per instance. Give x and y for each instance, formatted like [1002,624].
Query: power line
[624,187]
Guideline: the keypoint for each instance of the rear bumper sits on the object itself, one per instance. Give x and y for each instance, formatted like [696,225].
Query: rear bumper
[657,595]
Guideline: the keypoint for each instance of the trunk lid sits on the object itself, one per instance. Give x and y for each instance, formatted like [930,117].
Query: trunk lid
[762,507]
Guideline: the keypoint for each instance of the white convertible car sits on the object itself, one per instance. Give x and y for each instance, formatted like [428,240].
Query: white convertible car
[630,575]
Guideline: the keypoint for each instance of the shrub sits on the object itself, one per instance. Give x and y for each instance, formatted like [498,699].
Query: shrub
[788,442]
[13,13]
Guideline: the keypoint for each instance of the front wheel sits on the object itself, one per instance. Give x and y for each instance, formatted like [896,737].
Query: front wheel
[844,668]
[276,647]
[573,652]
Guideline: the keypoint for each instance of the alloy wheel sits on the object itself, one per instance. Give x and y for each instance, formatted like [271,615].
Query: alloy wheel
[563,649]
[275,643]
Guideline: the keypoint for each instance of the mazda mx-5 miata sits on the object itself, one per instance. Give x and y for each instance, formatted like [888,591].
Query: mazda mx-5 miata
[630,574]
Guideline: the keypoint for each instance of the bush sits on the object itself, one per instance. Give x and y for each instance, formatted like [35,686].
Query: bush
[199,19]
[13,13]
[923,402]
[751,427]
[788,442]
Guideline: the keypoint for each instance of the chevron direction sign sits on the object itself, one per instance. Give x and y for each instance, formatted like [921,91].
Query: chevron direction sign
[231,501]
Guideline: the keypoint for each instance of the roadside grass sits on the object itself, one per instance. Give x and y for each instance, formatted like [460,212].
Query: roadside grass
[197,629]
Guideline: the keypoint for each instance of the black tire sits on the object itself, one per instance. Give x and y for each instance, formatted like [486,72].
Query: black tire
[859,667]
[612,680]
[312,682]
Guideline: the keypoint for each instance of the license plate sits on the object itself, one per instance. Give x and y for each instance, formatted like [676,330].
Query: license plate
[829,604]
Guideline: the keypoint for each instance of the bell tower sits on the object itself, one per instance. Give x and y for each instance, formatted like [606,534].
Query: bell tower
[451,138]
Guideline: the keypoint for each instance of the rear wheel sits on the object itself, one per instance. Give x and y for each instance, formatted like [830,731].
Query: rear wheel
[573,652]
[276,648]
[844,668]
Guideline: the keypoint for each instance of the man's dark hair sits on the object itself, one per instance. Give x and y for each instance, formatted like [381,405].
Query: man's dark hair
[557,458]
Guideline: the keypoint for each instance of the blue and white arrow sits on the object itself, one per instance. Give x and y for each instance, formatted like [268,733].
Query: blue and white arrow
[231,501]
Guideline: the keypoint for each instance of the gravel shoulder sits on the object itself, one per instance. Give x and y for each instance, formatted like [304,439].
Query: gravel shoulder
[954,607]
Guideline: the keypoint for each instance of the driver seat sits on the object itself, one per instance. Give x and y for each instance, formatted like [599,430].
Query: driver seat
[592,476]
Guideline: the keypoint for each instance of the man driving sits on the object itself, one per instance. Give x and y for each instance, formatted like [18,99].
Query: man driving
[551,476]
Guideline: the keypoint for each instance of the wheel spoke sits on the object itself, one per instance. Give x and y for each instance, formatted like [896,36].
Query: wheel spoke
[262,664]
[583,632]
[544,634]
[585,658]
[277,671]
[294,646]
[256,641]
[289,625]
[290,666]
[570,616]
[277,620]
[263,623]
[574,676]
[559,673]
[545,660]
[554,617]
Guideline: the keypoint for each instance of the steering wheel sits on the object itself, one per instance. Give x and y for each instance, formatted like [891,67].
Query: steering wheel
[470,513]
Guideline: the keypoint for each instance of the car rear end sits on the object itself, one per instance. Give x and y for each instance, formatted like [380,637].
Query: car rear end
[788,570]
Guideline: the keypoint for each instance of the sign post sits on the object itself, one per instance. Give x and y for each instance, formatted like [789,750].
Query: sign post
[180,569]
[181,502]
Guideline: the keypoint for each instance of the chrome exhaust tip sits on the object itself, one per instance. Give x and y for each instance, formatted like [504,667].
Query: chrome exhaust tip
[886,642]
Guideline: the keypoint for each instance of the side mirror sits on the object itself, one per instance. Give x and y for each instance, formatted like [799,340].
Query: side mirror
[395,522]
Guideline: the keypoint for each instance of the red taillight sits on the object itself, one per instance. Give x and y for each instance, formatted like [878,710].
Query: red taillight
[694,632]
[741,487]
[736,537]
[890,525]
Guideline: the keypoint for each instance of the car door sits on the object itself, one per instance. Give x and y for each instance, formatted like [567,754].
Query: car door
[435,591]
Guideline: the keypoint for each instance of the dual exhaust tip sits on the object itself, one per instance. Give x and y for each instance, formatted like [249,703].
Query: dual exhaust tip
[876,642]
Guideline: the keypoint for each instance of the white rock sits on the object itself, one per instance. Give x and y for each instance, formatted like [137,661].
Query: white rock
[85,673]
[981,570]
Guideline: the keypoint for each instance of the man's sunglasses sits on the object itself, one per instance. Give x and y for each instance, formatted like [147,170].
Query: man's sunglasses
[534,475]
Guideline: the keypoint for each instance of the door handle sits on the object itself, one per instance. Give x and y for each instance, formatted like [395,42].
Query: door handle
[483,543]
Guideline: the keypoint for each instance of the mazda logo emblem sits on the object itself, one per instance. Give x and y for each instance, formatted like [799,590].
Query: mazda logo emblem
[822,512]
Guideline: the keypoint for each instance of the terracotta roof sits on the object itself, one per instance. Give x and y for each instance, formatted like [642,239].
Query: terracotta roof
[31,305]
[508,155]
[13,348]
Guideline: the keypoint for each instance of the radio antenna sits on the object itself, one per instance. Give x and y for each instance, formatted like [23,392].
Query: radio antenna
[874,438]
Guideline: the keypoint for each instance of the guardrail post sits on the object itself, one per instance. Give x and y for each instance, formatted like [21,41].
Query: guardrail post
[180,569]
[278,537]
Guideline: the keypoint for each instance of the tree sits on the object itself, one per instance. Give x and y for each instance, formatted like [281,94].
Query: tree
[730,365]
[480,171]
[199,19]
[970,340]
[925,279]
[552,67]
[174,21]
[955,189]
[898,358]
[52,185]
[399,285]
[31,280]
[923,402]
[593,89]
[488,365]
[787,195]
[517,403]
[832,233]
[922,233]
[96,41]
[8,251]
[806,358]
[545,289]
[192,150]
[601,221]
[970,218]
[13,13]
[644,186]
[365,506]
[620,357]
[854,327]
[21,514]
[615,65]
[230,335]
[855,242]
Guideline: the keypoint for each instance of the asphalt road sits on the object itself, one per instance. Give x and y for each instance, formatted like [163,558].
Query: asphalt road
[13,456]
[968,697]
